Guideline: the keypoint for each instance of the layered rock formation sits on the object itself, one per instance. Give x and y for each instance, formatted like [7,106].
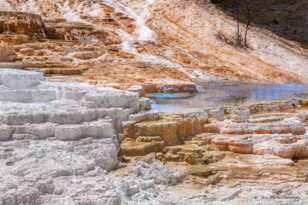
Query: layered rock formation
[22,23]
[60,142]
[40,102]
[53,132]
[230,148]
[226,141]
[124,43]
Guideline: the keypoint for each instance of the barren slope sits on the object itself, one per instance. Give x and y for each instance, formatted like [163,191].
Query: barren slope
[129,42]
[197,24]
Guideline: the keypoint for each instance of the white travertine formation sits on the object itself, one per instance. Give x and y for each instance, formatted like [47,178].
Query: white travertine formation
[29,106]
[57,129]
[51,131]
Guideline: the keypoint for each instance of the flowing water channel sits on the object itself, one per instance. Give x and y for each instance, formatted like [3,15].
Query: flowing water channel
[220,95]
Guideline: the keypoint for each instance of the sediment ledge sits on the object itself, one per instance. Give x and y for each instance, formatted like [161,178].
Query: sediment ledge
[223,138]
[22,23]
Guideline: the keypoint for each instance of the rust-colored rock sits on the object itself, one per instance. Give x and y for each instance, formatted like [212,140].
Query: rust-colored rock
[14,39]
[7,54]
[172,129]
[134,148]
[60,29]
[22,23]
[64,71]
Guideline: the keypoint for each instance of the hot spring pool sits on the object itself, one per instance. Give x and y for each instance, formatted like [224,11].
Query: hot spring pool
[225,95]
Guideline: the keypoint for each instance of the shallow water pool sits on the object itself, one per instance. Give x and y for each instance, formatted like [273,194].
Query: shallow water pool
[225,95]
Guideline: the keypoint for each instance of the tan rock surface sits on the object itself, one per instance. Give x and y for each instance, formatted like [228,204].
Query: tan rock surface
[124,43]
[267,146]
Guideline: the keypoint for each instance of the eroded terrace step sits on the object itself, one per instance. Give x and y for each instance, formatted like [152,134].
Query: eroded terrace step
[95,129]
[282,127]
[31,108]
[283,145]
[261,168]
[172,129]
[58,116]
[269,117]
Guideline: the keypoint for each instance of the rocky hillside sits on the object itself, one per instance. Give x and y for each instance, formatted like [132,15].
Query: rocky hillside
[149,43]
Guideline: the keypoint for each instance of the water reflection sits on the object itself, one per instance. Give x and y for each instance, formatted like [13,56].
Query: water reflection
[225,95]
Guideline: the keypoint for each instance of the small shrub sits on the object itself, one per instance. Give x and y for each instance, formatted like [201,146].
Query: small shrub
[234,40]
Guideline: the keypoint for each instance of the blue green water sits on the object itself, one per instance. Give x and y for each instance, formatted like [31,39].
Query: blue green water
[225,95]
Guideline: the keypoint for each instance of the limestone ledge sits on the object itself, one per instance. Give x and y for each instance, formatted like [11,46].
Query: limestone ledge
[33,108]
[22,23]
[273,128]
[52,134]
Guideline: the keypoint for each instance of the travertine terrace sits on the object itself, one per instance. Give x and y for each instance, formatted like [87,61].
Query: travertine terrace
[226,142]
[22,23]
[58,141]
[53,130]
[75,128]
